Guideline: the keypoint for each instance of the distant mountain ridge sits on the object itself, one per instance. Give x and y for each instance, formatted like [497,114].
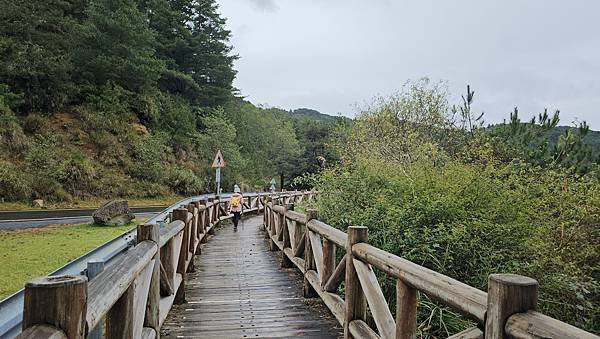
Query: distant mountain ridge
[315,115]
[592,138]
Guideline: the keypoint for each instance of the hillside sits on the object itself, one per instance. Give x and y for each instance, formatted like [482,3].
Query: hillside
[592,138]
[315,115]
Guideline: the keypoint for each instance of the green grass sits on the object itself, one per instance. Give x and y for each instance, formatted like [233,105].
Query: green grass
[25,254]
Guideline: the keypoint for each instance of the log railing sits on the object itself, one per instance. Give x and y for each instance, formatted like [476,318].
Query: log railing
[133,295]
[507,310]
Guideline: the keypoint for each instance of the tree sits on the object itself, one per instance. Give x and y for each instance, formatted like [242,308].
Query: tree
[212,65]
[193,43]
[36,47]
[117,45]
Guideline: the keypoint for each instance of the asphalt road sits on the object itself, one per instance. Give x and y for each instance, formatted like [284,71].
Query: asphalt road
[12,220]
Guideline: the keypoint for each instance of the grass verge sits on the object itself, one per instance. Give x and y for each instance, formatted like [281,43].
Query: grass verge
[29,253]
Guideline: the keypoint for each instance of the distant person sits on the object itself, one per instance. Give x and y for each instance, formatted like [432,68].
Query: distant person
[236,205]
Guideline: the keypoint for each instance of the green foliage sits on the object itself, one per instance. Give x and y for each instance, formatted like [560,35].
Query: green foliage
[273,153]
[13,185]
[454,203]
[183,181]
[132,94]
[11,134]
[147,155]
[531,141]
[36,46]
[116,45]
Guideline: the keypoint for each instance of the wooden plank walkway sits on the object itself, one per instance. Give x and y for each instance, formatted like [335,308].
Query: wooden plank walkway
[239,290]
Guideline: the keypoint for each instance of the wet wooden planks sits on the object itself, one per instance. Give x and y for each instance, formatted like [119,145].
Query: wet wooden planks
[239,290]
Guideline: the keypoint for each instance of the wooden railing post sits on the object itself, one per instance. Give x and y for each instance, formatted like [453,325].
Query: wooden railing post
[285,261]
[181,214]
[356,303]
[59,301]
[268,216]
[194,232]
[273,230]
[192,238]
[328,260]
[151,232]
[204,218]
[211,215]
[309,264]
[406,311]
[94,268]
[167,269]
[508,294]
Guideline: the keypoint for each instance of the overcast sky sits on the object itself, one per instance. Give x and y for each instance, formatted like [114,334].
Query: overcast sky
[333,54]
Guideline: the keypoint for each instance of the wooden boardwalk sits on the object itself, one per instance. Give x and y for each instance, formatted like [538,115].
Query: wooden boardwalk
[239,290]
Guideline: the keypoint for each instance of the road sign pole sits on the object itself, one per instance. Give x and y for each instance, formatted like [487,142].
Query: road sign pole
[218,179]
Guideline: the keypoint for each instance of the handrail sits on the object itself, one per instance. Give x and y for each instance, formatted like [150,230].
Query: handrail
[507,310]
[136,292]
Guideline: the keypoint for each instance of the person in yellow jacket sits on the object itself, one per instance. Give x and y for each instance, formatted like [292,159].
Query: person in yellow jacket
[236,205]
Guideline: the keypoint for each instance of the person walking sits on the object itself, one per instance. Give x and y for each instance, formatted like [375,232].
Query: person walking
[236,205]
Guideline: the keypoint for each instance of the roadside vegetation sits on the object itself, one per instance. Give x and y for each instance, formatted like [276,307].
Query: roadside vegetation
[435,186]
[34,252]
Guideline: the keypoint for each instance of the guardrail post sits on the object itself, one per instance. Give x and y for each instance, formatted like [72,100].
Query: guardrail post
[181,214]
[95,267]
[508,294]
[356,302]
[59,301]
[151,319]
[309,292]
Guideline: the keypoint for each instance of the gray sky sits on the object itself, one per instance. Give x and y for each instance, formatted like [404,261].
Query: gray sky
[333,54]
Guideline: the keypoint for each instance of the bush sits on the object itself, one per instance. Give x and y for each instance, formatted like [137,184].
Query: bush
[468,222]
[35,123]
[147,156]
[183,181]
[12,137]
[454,200]
[13,183]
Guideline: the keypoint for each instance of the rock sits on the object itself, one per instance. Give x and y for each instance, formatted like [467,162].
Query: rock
[113,213]
[38,203]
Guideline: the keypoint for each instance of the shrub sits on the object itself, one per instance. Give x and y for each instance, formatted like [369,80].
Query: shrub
[12,137]
[147,156]
[183,181]
[14,185]
[35,123]
[469,221]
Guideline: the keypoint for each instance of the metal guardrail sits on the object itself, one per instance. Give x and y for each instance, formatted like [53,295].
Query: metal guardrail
[11,308]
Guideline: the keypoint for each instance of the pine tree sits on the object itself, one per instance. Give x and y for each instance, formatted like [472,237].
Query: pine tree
[193,43]
[117,46]
[36,47]
[213,64]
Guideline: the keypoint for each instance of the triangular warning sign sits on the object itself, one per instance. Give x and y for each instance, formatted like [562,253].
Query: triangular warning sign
[219,162]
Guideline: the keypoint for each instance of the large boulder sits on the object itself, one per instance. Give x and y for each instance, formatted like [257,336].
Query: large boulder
[38,203]
[113,213]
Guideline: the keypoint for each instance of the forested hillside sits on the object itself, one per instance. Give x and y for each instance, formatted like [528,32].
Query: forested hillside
[105,98]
